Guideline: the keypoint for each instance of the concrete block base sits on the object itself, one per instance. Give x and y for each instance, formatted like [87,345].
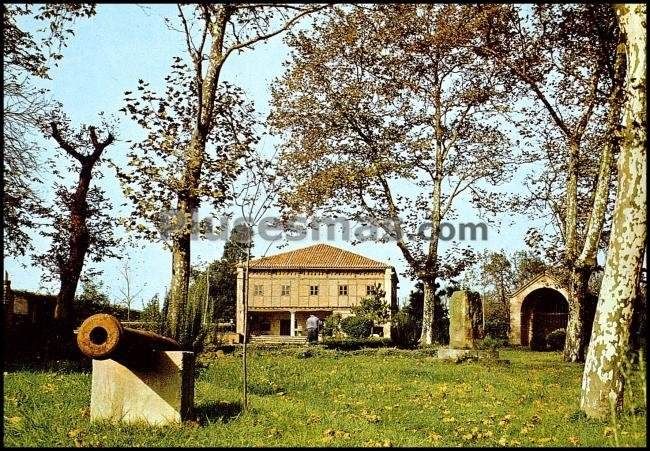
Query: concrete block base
[158,394]
[460,355]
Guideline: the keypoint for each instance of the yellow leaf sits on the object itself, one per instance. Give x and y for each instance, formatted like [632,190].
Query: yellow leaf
[73,433]
[435,437]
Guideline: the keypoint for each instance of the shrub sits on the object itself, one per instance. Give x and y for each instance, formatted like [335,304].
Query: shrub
[357,327]
[350,344]
[405,330]
[555,340]
[490,343]
[496,329]
[373,307]
[332,325]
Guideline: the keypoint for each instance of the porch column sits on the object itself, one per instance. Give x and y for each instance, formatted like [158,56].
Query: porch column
[292,323]
[390,299]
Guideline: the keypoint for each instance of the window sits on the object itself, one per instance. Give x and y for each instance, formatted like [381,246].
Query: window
[313,290]
[370,289]
[258,290]
[285,290]
[343,290]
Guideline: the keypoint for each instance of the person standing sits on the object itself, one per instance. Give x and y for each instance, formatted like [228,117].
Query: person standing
[312,328]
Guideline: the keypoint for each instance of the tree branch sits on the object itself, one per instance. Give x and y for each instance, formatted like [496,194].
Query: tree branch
[264,37]
[56,134]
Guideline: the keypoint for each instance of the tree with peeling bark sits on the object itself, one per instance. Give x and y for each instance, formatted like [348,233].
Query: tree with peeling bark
[564,56]
[603,380]
[79,225]
[198,131]
[382,97]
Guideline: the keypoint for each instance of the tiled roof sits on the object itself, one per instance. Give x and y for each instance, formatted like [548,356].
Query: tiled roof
[318,256]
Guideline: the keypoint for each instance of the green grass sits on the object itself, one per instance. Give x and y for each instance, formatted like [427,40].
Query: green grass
[369,397]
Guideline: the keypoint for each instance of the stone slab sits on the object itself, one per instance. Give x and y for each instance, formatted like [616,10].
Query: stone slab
[459,355]
[158,394]
[460,326]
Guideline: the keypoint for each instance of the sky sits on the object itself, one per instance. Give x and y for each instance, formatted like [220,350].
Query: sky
[107,56]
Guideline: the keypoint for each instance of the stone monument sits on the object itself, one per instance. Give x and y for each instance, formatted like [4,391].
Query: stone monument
[465,323]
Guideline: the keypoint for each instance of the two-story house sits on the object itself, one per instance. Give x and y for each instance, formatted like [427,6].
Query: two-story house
[321,279]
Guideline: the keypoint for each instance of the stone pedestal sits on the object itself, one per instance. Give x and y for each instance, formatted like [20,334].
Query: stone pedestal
[158,394]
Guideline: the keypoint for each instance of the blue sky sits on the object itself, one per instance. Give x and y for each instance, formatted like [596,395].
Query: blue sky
[106,57]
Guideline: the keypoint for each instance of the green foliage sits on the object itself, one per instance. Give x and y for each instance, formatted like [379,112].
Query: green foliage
[152,314]
[93,293]
[555,340]
[332,325]
[374,307]
[357,326]
[527,265]
[405,329]
[28,54]
[93,299]
[490,343]
[219,303]
[496,328]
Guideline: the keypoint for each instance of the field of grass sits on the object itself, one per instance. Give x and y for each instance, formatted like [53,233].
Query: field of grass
[379,397]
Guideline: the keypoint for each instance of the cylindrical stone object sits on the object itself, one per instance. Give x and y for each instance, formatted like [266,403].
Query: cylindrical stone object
[102,336]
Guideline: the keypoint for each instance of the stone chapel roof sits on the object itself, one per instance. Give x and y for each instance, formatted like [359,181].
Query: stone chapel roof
[318,256]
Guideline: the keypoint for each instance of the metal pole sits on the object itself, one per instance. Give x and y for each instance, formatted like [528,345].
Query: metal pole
[207,295]
[248,257]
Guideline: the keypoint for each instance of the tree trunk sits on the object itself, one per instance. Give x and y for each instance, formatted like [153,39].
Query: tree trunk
[429,320]
[180,283]
[603,379]
[577,329]
[571,199]
[194,156]
[430,333]
[70,268]
[576,339]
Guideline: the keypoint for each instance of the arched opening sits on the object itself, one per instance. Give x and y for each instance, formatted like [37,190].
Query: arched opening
[542,311]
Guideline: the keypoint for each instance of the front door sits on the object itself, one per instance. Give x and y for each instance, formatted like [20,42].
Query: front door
[285,327]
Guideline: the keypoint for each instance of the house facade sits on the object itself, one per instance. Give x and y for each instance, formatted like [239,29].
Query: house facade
[285,289]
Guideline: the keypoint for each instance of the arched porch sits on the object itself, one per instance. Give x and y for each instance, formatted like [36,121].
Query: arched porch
[542,311]
[537,308]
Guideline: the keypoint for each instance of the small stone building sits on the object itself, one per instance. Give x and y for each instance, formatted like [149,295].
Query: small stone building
[321,279]
[536,309]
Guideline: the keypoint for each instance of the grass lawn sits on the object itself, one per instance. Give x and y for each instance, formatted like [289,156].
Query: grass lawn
[364,398]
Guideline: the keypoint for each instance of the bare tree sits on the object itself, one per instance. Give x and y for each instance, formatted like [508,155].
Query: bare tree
[256,195]
[128,291]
